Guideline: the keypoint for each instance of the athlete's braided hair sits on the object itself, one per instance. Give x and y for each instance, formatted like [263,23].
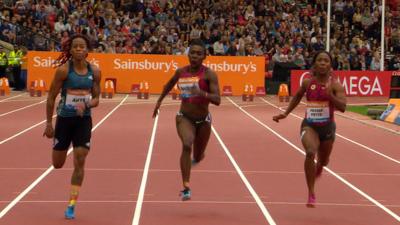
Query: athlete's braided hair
[66,47]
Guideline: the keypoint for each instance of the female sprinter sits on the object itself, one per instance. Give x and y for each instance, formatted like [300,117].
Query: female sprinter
[79,82]
[199,87]
[324,94]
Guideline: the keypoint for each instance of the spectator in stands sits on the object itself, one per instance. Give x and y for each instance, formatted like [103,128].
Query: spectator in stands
[3,62]
[302,23]
[375,63]
[394,63]
[14,62]
[219,48]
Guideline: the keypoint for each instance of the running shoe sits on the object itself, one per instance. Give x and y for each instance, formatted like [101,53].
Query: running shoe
[70,212]
[311,201]
[186,194]
[194,162]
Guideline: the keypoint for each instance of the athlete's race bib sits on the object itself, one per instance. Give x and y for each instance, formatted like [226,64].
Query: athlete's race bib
[317,112]
[76,96]
[186,85]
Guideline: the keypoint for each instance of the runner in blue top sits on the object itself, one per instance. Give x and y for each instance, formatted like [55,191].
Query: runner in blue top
[79,83]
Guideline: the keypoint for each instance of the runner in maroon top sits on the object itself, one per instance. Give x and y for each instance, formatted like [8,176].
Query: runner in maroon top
[199,87]
[324,94]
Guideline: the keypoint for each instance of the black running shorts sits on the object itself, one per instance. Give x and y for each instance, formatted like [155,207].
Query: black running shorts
[77,130]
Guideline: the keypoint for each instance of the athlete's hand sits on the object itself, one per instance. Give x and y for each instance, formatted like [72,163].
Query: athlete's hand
[80,108]
[49,131]
[195,90]
[279,117]
[156,109]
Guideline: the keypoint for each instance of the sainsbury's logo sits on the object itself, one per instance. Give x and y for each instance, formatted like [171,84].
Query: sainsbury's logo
[49,62]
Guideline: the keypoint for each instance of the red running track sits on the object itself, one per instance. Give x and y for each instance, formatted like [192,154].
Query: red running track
[273,168]
[330,192]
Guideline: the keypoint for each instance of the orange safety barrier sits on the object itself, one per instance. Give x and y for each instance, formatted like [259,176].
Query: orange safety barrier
[260,91]
[135,89]
[248,93]
[283,93]
[144,90]
[176,93]
[109,89]
[227,90]
[37,88]
[4,86]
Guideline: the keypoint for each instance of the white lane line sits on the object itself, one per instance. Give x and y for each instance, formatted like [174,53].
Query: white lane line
[22,108]
[22,132]
[41,177]
[343,137]
[253,193]
[16,96]
[388,211]
[139,203]
[368,123]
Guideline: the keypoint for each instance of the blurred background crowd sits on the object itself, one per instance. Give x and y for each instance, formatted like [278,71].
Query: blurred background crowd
[284,31]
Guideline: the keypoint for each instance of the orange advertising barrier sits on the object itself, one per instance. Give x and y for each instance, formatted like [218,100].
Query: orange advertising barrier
[283,93]
[248,93]
[392,112]
[144,90]
[128,69]
[37,88]
[4,86]
[108,90]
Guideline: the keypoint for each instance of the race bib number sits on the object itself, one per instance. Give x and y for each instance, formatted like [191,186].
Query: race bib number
[318,112]
[73,97]
[186,85]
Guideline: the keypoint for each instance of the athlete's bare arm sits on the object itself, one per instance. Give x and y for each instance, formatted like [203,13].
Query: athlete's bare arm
[214,95]
[167,88]
[96,87]
[56,84]
[337,96]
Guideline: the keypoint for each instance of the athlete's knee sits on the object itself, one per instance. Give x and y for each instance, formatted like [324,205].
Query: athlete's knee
[80,157]
[80,161]
[187,145]
[79,166]
[310,155]
[58,165]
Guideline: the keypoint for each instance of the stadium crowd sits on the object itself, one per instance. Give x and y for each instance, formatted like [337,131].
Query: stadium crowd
[281,30]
